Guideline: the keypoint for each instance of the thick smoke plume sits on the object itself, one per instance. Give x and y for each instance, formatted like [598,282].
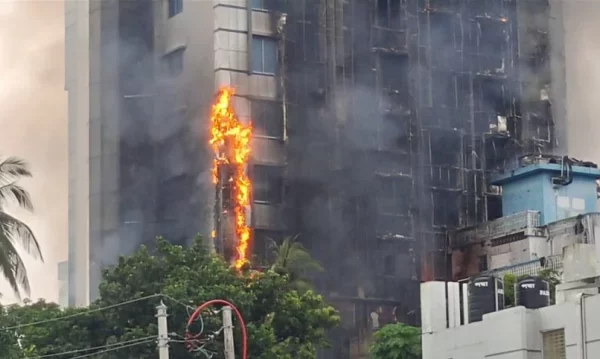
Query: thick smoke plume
[33,126]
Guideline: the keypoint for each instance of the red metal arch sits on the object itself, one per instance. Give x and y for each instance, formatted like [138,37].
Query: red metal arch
[198,310]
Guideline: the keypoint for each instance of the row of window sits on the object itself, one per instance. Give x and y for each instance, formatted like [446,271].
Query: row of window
[176,6]
[264,57]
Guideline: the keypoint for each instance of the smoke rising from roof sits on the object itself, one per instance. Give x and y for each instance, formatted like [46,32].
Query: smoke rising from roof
[33,126]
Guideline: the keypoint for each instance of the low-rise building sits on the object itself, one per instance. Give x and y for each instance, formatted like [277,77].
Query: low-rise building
[547,203]
[569,330]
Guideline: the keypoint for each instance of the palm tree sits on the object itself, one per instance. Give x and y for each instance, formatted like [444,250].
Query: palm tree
[291,258]
[13,231]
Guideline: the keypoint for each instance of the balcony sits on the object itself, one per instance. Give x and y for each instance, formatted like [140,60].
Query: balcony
[526,222]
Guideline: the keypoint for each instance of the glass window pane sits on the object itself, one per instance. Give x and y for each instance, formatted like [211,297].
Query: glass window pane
[257,49]
[258,4]
[270,56]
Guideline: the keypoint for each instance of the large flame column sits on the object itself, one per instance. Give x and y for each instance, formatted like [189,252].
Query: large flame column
[230,140]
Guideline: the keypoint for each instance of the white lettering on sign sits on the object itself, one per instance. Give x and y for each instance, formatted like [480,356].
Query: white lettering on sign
[528,286]
[545,293]
[481,284]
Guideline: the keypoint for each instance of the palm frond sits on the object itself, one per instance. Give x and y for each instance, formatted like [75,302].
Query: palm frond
[13,167]
[12,266]
[19,232]
[13,192]
[292,258]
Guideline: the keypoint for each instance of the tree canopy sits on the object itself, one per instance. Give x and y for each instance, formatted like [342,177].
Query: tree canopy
[14,232]
[397,341]
[293,260]
[282,323]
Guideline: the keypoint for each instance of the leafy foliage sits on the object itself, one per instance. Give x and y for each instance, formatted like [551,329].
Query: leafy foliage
[553,278]
[281,322]
[509,289]
[292,259]
[397,341]
[12,231]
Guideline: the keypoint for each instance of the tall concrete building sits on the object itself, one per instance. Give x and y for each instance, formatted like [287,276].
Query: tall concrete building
[377,125]
[141,76]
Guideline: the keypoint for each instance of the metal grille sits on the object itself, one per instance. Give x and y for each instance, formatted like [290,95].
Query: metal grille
[501,227]
[532,268]
[554,344]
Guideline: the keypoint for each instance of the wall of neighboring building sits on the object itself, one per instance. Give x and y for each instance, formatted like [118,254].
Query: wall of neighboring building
[63,284]
[77,84]
[515,332]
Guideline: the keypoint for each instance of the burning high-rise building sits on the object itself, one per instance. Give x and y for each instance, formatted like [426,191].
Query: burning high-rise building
[375,127]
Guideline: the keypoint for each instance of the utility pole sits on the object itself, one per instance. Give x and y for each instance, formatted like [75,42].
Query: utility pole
[163,333]
[228,333]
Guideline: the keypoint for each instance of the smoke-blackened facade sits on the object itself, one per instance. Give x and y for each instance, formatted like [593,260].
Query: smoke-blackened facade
[376,126]
[398,112]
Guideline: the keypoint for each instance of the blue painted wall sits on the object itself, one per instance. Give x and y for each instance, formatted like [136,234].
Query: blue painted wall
[531,188]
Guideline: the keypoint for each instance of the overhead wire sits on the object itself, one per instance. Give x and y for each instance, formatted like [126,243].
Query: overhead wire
[112,349]
[93,310]
[112,346]
[119,344]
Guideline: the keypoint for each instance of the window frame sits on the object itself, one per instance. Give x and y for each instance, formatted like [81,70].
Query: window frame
[174,7]
[178,55]
[261,70]
[261,105]
[546,334]
[270,177]
[258,5]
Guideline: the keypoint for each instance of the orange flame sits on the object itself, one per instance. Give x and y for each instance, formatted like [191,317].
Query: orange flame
[230,140]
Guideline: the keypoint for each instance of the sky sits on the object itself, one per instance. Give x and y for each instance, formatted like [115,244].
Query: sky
[33,126]
[33,118]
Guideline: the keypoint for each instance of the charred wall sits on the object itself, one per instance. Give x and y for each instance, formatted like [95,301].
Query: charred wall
[399,110]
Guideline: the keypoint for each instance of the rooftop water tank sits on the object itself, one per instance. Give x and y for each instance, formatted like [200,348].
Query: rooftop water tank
[532,293]
[486,295]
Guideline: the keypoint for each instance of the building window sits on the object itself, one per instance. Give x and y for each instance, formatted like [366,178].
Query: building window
[389,265]
[259,5]
[264,55]
[393,195]
[554,344]
[174,62]
[267,118]
[175,7]
[483,263]
[268,183]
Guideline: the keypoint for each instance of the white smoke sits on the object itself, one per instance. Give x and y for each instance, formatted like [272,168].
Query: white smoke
[33,126]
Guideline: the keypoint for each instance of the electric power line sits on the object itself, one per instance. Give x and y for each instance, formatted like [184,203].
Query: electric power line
[146,339]
[93,310]
[112,349]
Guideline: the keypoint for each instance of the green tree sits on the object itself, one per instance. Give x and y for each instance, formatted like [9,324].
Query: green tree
[553,278]
[282,323]
[13,231]
[509,289]
[292,259]
[397,341]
